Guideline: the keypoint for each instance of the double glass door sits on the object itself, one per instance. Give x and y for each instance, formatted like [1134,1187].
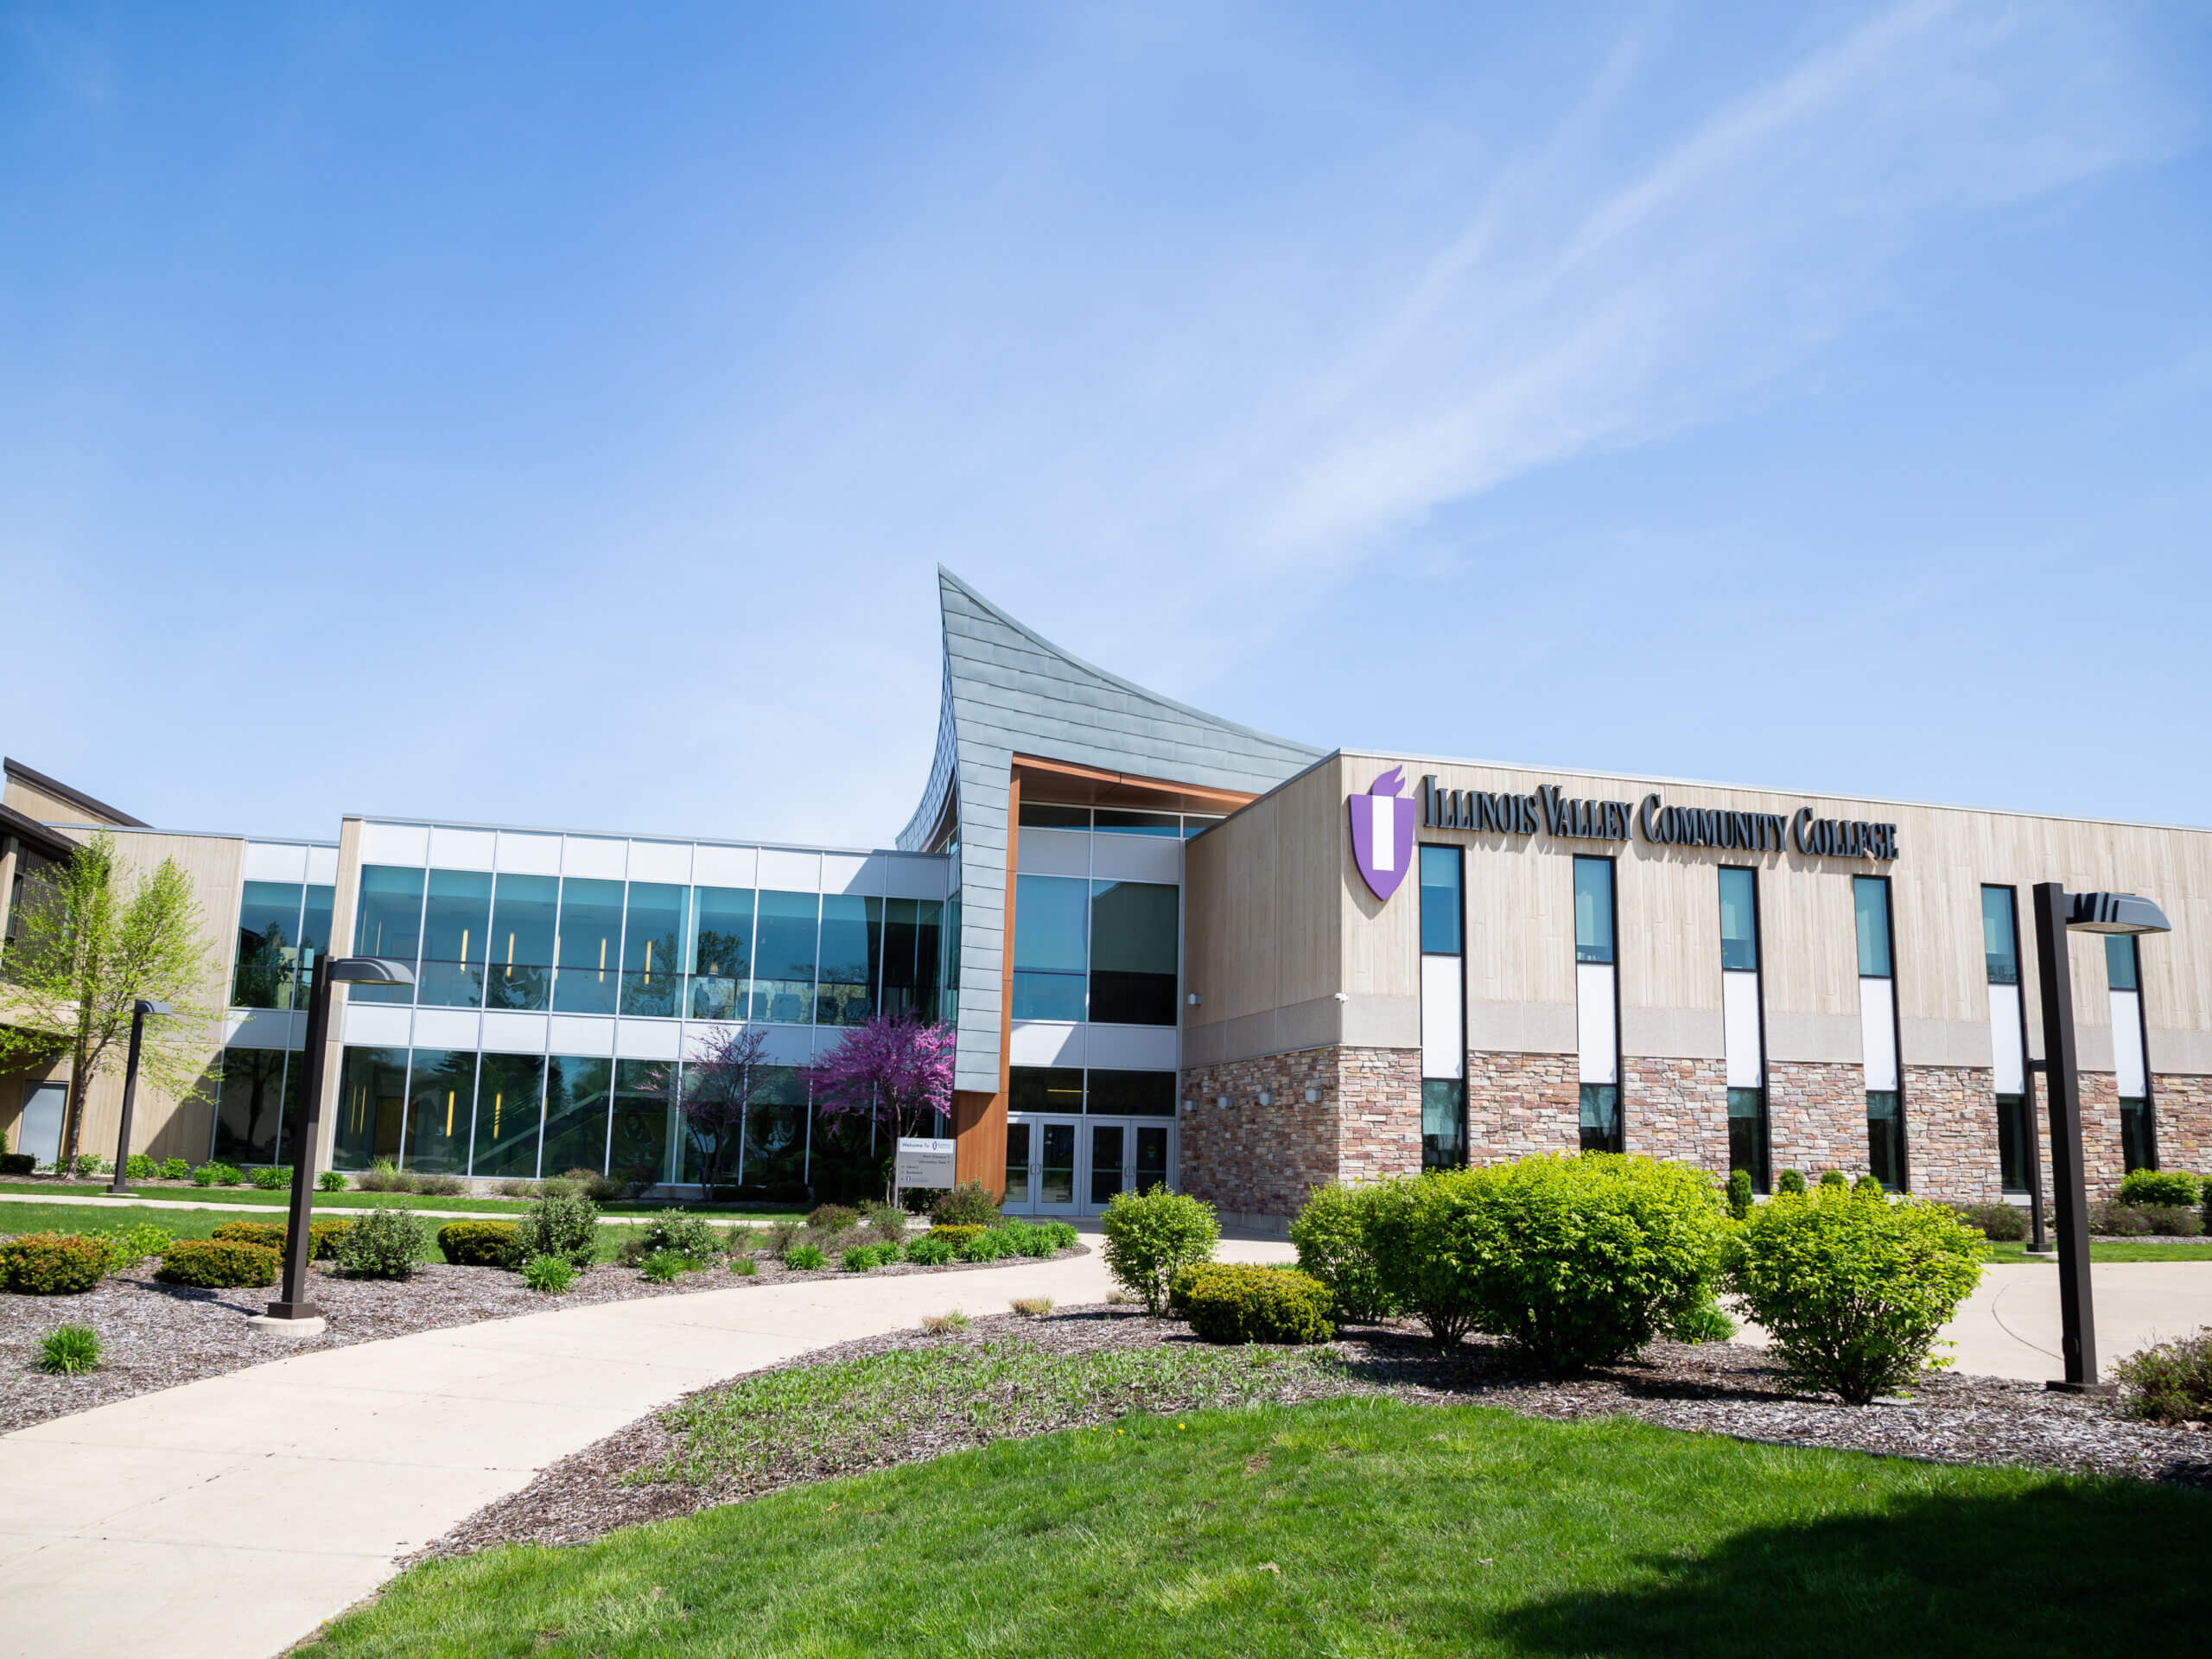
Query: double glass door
[1074,1165]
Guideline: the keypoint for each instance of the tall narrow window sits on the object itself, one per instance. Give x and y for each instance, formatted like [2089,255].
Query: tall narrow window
[2008,1049]
[1877,1020]
[1742,1025]
[1597,1003]
[1443,1000]
[1133,946]
[520,972]
[2138,1135]
[722,952]
[652,949]
[266,969]
[587,966]
[389,923]
[1051,946]
[456,923]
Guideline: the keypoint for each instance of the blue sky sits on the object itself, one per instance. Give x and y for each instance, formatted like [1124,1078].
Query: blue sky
[1819,396]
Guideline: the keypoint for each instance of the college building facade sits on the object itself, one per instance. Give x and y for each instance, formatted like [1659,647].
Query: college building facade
[1177,950]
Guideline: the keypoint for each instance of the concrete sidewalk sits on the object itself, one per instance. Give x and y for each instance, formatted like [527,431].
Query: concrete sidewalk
[230,1516]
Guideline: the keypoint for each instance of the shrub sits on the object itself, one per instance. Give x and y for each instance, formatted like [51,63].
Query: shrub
[1833,1178]
[551,1273]
[959,1233]
[174,1169]
[805,1258]
[1707,1322]
[1025,1238]
[741,1240]
[439,1185]
[383,1244]
[2118,1220]
[2171,1221]
[1740,1193]
[664,1267]
[1853,1293]
[323,1236]
[272,1178]
[204,1176]
[383,1176]
[563,1223]
[134,1244]
[2001,1221]
[781,1233]
[1789,1181]
[218,1264]
[692,1236]
[1151,1237]
[330,1181]
[930,1251]
[91,1163]
[887,1222]
[17,1163]
[2171,1383]
[833,1218]
[2161,1186]
[1867,1187]
[969,1204]
[744,1266]
[268,1235]
[866,1258]
[1235,1302]
[69,1349]
[53,1264]
[478,1243]
[1580,1259]
[1407,1222]
[992,1244]
[516,1189]
[137,1167]
[1032,1307]
[951,1319]
[1331,1234]
[594,1186]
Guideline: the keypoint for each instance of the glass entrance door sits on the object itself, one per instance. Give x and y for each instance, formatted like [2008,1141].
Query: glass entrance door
[1153,1164]
[1108,1173]
[1056,1170]
[1020,1185]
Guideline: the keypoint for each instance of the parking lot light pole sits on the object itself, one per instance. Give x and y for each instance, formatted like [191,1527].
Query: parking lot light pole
[307,1132]
[2056,911]
[121,1185]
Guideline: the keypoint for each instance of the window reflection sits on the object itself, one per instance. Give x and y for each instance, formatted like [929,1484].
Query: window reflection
[852,952]
[440,1106]
[389,925]
[269,937]
[1052,930]
[579,1094]
[1132,950]
[913,944]
[588,955]
[775,1128]
[457,925]
[249,1105]
[722,952]
[645,1102]
[652,934]
[520,972]
[371,1107]
[784,944]
[510,1089]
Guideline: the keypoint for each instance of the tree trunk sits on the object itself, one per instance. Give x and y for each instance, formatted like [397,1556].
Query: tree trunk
[73,1116]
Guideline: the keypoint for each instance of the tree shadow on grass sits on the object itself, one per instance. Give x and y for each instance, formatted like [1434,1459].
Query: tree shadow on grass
[2065,1567]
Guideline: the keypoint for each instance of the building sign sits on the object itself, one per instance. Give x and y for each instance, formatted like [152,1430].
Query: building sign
[1551,812]
[923,1162]
[1383,832]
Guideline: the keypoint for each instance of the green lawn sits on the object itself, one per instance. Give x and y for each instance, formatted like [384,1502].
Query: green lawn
[254,1195]
[2126,1249]
[1353,1528]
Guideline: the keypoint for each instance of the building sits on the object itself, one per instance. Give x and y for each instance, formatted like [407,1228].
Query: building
[1175,949]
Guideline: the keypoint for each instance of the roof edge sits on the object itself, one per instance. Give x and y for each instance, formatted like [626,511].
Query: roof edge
[39,780]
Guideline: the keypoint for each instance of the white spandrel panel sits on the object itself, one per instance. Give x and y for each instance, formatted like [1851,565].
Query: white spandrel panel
[1131,1048]
[322,865]
[581,1034]
[661,861]
[725,866]
[912,876]
[852,872]
[1045,1042]
[1878,1033]
[2128,1046]
[521,853]
[1443,1017]
[395,843]
[783,871]
[1596,1040]
[376,1025]
[1054,852]
[1136,858]
[448,1028]
[1740,1030]
[269,861]
[463,850]
[265,1028]
[648,1039]
[595,857]
[506,1031]
[2009,1068]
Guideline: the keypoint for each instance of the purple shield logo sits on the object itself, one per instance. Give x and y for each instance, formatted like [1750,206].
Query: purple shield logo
[1383,833]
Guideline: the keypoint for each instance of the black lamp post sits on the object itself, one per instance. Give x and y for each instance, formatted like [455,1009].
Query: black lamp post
[2056,911]
[370,971]
[121,1185]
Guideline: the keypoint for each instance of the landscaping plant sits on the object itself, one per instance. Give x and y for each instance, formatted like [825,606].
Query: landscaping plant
[330,1181]
[832,1218]
[1867,1186]
[134,1244]
[1331,1234]
[1407,1222]
[478,1243]
[551,1273]
[272,1178]
[2007,1222]
[888,1222]
[1833,1178]
[17,1163]
[805,1258]
[1853,1292]
[939,1324]
[1789,1181]
[866,1258]
[692,1236]
[2171,1383]
[137,1167]
[218,1264]
[992,1244]
[53,1264]
[2177,1188]
[268,1235]
[1151,1237]
[958,1233]
[1741,1194]
[744,1266]
[665,1267]
[969,1204]
[90,1163]
[69,1349]
[563,1223]
[1707,1322]
[1237,1302]
[174,1169]
[930,1251]
[383,1244]
[1032,1307]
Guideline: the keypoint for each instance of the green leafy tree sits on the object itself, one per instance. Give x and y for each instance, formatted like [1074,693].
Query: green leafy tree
[93,935]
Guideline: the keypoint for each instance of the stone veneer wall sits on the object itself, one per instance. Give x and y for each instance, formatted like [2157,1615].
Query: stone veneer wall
[1950,1133]
[1676,1109]
[1816,1118]
[2182,1107]
[1247,1159]
[1522,1103]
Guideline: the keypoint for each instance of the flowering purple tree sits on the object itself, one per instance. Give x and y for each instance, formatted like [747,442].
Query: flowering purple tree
[895,1070]
[717,1088]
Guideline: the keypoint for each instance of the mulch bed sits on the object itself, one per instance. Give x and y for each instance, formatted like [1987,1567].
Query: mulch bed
[1717,1389]
[157,1335]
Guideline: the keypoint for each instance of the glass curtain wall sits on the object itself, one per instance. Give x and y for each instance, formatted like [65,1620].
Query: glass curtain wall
[371,1107]
[283,927]
[510,1113]
[441,1111]
[250,1105]
[784,956]
[644,1112]
[388,924]
[913,950]
[652,950]
[722,952]
[852,959]
[1051,946]
[587,948]
[579,1102]
[775,1129]
[1133,946]
[525,912]
[456,934]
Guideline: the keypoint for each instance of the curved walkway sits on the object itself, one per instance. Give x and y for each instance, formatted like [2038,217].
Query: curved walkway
[230,1516]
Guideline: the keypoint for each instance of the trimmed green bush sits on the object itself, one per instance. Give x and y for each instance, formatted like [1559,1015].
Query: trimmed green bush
[323,1236]
[2175,1187]
[53,1264]
[268,1235]
[692,1236]
[969,1204]
[992,1244]
[1331,1234]
[1151,1237]
[134,1244]
[866,1258]
[1867,1187]
[1236,1301]
[2170,1220]
[1789,1181]
[1707,1322]
[805,1258]
[2119,1220]
[1853,1293]
[383,1244]
[2171,1383]
[272,1178]
[218,1264]
[478,1243]
[17,1163]
[563,1223]
[330,1181]
[1579,1260]
[958,1233]
[173,1169]
[930,1251]
[1741,1194]
[137,1167]
[69,1349]
[1408,1222]
[2001,1221]
[551,1273]
[1833,1178]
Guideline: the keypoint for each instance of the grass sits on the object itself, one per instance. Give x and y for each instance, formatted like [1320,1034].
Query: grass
[2126,1249]
[255,1195]
[1351,1527]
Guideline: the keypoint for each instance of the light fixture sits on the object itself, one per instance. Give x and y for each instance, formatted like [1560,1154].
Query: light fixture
[1266,1099]
[1313,1097]
[1194,998]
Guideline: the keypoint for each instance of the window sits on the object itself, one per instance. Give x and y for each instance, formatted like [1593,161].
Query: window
[652,950]
[1132,952]
[2138,1142]
[913,942]
[1114,821]
[264,974]
[783,957]
[2000,952]
[389,925]
[775,1128]
[644,1103]
[371,1107]
[1443,1123]
[578,1095]
[1044,1088]
[1131,1094]
[520,970]
[315,927]
[1601,1117]
[2012,1142]
[1439,901]
[1739,925]
[1043,815]
[250,1105]
[440,1107]
[1886,1138]
[1052,937]
[456,935]
[510,1096]
[1593,910]
[1747,1134]
[588,955]
[852,955]
[722,952]
[1870,899]
[1193,825]
[2120,962]
[2000,948]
